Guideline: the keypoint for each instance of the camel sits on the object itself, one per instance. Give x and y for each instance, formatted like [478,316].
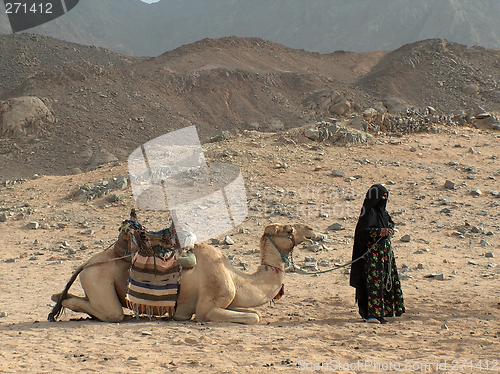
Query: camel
[211,291]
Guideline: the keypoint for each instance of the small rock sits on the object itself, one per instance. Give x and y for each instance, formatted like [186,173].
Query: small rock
[146,333]
[420,266]
[228,240]
[444,326]
[121,183]
[484,243]
[33,225]
[473,151]
[404,277]
[338,174]
[336,227]
[439,276]
[472,262]
[3,217]
[449,185]
[324,263]
[3,314]
[323,215]
[392,183]
[476,192]
[489,255]
[406,238]
[312,133]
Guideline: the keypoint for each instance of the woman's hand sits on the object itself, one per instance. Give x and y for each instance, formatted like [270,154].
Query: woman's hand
[385,232]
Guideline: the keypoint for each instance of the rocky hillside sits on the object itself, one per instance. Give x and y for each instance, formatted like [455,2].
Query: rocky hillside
[66,107]
[133,27]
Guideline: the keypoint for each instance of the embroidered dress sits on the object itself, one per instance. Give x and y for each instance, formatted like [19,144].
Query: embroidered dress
[383,288]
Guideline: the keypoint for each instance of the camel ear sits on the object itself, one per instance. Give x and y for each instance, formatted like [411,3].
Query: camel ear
[289,229]
[271,229]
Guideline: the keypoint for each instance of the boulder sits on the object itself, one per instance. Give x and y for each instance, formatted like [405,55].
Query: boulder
[340,108]
[23,116]
[102,157]
[395,104]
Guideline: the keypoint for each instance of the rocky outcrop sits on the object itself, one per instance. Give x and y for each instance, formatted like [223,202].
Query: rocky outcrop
[23,116]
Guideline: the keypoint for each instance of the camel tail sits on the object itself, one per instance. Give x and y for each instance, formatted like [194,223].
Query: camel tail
[58,308]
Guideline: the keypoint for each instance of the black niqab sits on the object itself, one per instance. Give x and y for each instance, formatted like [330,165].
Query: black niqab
[373,214]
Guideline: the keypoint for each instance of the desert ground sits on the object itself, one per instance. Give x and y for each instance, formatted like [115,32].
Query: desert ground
[451,324]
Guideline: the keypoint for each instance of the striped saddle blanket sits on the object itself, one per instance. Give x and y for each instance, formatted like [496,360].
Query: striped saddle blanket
[153,286]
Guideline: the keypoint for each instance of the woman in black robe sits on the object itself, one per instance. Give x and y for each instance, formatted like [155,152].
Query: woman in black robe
[375,276]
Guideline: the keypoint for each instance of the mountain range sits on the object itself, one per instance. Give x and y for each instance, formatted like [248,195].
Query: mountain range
[135,28]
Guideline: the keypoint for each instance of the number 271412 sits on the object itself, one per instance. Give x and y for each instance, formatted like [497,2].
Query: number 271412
[23,8]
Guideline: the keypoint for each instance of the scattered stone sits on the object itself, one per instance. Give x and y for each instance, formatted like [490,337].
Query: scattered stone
[404,277]
[391,183]
[422,251]
[438,276]
[420,266]
[3,314]
[473,151]
[3,217]
[476,192]
[323,215]
[338,174]
[473,262]
[146,333]
[33,225]
[444,326]
[88,232]
[120,183]
[475,230]
[324,263]
[10,260]
[484,243]
[449,185]
[312,133]
[336,227]
[406,238]
[228,240]
[311,264]
[489,255]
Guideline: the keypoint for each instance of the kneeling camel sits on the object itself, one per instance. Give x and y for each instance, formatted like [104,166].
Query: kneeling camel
[212,291]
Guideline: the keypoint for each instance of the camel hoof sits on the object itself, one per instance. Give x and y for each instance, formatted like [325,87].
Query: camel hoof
[51,317]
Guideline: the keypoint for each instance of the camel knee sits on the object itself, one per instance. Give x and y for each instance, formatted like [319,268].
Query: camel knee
[55,297]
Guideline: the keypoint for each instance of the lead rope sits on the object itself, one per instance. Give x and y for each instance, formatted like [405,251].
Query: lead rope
[389,281]
[300,271]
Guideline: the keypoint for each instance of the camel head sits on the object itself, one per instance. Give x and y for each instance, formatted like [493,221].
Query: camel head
[303,232]
[286,237]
